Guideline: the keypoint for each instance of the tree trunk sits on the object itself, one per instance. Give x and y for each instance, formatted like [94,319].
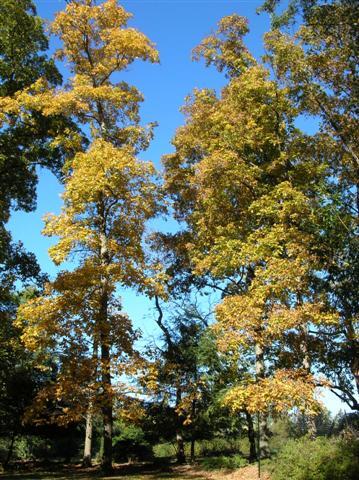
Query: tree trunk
[87,457]
[264,435]
[251,438]
[86,461]
[193,435]
[181,456]
[352,340]
[104,329]
[354,367]
[306,364]
[106,406]
[263,430]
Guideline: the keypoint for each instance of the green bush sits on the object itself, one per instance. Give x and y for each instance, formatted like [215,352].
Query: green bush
[164,450]
[34,447]
[26,447]
[222,462]
[219,446]
[215,447]
[130,444]
[320,459]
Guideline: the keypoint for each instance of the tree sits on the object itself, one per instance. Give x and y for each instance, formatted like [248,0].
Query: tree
[109,195]
[191,379]
[20,380]
[247,184]
[317,64]
[180,385]
[25,141]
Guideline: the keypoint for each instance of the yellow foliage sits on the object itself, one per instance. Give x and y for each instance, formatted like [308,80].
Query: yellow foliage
[242,180]
[96,41]
[283,392]
[109,196]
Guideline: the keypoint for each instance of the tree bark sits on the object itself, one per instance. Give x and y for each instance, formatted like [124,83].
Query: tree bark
[264,435]
[251,438]
[193,433]
[306,364]
[352,340]
[263,432]
[106,404]
[87,458]
[181,456]
[104,328]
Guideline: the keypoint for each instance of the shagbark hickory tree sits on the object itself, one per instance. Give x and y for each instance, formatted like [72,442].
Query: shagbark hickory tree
[243,179]
[109,195]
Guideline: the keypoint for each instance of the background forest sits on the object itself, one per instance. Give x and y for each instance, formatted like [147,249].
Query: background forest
[239,247]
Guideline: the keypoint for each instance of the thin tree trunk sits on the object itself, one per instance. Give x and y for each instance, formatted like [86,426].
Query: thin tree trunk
[193,435]
[306,364]
[352,340]
[104,327]
[354,367]
[263,425]
[87,458]
[251,438]
[264,436]
[181,456]
[106,405]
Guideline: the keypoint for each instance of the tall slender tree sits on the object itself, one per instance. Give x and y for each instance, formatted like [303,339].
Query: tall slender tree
[109,195]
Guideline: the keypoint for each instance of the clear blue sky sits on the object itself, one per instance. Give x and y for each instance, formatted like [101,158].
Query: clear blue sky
[176,27]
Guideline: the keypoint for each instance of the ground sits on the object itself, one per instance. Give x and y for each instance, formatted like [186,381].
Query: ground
[130,472]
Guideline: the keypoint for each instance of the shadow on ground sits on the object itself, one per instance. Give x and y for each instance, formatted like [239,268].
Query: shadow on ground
[123,472]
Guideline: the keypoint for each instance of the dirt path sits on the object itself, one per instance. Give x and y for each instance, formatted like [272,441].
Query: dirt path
[127,472]
[246,473]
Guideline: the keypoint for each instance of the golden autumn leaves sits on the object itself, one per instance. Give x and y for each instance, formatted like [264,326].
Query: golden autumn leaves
[238,179]
[109,195]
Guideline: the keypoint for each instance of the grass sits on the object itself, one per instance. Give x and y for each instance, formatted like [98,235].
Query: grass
[123,473]
[156,476]
[134,472]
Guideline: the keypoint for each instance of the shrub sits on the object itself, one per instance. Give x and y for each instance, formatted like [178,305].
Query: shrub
[216,447]
[130,444]
[320,459]
[220,446]
[222,462]
[164,450]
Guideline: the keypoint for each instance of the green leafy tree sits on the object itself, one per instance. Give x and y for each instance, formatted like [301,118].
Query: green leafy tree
[25,142]
[316,59]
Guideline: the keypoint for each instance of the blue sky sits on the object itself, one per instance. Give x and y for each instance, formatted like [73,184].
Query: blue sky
[176,27]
